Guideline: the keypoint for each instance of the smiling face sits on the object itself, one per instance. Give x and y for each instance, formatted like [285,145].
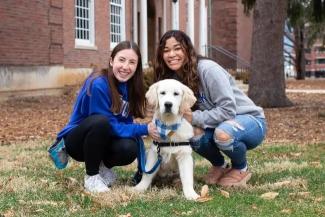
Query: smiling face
[124,64]
[173,54]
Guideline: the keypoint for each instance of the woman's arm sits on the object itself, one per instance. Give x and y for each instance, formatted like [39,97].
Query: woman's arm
[218,91]
[100,103]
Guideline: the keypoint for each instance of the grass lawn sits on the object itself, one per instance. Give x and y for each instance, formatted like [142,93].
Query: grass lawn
[293,174]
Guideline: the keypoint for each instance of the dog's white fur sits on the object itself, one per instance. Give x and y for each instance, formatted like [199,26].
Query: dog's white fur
[178,97]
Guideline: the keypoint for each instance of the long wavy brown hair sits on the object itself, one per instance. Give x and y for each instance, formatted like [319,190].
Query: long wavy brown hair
[136,90]
[189,75]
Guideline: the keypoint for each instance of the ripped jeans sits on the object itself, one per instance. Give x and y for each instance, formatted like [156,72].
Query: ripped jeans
[233,138]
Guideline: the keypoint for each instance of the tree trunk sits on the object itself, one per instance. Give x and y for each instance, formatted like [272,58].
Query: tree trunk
[300,60]
[267,81]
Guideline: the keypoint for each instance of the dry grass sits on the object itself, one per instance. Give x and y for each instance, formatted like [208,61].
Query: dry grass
[123,195]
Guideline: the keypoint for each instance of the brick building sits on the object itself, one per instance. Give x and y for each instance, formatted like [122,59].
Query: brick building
[315,60]
[47,44]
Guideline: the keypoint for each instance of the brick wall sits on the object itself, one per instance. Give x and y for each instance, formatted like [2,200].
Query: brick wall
[224,28]
[31,32]
[84,58]
[244,33]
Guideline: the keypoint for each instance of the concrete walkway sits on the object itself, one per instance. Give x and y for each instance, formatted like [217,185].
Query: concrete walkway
[244,87]
[321,91]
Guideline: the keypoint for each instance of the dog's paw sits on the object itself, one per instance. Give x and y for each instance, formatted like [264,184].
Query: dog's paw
[192,196]
[139,188]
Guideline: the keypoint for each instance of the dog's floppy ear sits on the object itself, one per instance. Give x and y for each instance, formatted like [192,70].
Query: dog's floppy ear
[152,96]
[188,99]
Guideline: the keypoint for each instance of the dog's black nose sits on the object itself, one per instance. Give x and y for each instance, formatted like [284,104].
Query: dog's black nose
[168,106]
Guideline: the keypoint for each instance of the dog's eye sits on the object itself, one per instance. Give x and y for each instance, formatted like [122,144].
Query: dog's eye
[176,93]
[162,93]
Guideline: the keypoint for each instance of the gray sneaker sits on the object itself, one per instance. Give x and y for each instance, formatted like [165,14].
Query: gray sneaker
[108,175]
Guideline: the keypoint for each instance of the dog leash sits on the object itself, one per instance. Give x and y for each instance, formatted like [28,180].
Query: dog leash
[164,131]
[142,158]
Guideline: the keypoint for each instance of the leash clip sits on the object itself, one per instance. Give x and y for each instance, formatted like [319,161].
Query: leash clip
[158,150]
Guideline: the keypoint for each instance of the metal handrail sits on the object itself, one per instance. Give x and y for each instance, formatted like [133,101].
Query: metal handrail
[241,65]
[229,54]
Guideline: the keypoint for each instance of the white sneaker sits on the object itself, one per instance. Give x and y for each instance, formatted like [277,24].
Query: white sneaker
[109,177]
[95,184]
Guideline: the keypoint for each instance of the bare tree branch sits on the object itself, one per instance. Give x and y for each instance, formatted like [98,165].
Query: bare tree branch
[289,45]
[288,54]
[289,37]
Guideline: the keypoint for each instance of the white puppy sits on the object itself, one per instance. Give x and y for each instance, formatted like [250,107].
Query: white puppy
[171,98]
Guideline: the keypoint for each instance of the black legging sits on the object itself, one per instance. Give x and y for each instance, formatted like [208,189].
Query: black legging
[92,142]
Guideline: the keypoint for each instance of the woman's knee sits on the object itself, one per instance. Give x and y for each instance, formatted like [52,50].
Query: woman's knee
[200,143]
[223,140]
[127,147]
[130,146]
[122,152]
[100,124]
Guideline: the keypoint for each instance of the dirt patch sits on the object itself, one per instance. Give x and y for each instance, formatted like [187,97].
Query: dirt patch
[42,117]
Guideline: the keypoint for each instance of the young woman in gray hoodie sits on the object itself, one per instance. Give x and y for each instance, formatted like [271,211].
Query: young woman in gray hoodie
[227,122]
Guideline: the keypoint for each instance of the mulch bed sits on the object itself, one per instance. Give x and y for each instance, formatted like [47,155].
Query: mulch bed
[42,117]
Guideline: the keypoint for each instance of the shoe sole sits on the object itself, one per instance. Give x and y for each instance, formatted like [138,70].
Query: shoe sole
[95,192]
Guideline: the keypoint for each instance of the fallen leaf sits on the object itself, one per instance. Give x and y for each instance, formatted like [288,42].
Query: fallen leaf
[269,195]
[225,193]
[203,199]
[316,164]
[127,215]
[45,181]
[186,213]
[295,154]
[204,191]
[280,184]
[125,197]
[319,199]
[73,180]
[8,213]
[287,211]
[301,194]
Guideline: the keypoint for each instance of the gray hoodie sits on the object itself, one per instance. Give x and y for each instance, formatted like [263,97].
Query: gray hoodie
[220,99]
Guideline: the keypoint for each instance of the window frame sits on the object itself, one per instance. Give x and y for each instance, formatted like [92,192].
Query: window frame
[122,23]
[90,42]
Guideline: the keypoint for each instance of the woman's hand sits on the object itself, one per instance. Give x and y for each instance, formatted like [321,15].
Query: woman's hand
[198,131]
[153,132]
[188,115]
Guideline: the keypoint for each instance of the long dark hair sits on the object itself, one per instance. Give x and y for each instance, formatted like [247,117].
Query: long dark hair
[136,90]
[189,75]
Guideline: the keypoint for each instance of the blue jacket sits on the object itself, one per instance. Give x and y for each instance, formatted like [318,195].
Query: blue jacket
[99,102]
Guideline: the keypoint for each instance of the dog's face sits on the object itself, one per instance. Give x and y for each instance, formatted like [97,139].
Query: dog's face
[170,97]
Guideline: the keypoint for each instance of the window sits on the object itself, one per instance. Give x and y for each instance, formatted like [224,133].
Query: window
[84,23]
[320,61]
[320,49]
[117,22]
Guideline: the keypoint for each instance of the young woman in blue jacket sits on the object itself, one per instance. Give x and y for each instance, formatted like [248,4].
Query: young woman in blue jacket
[101,131]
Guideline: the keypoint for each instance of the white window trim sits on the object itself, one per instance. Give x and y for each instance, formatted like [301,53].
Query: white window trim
[123,35]
[88,44]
